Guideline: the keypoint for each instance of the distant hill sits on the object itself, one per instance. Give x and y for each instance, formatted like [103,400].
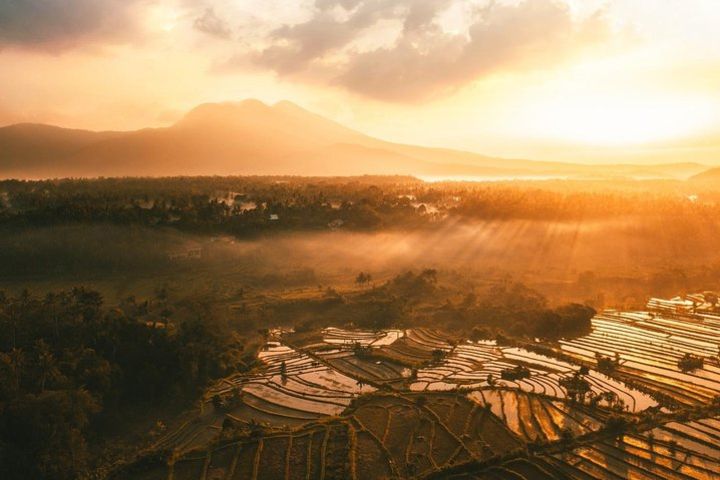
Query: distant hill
[251,137]
[712,175]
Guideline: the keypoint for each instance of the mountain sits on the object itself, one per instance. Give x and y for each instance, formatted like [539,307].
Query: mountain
[712,175]
[251,137]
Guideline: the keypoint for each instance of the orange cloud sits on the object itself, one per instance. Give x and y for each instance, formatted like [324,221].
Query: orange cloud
[426,60]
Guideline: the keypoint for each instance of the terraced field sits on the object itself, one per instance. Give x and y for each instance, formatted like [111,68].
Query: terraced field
[470,365]
[388,353]
[294,388]
[674,451]
[386,436]
[367,369]
[417,403]
[315,451]
[417,347]
[697,304]
[650,345]
[338,336]
[536,418]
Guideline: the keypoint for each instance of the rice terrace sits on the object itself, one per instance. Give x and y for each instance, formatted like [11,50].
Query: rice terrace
[423,403]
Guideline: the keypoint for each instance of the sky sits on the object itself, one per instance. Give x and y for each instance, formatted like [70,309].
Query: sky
[572,80]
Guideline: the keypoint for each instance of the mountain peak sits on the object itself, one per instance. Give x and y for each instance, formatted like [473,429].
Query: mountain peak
[288,106]
[224,112]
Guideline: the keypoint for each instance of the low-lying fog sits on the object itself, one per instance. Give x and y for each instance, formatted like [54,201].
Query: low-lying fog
[527,250]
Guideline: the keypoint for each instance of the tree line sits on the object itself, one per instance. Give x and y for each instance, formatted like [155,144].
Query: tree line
[251,205]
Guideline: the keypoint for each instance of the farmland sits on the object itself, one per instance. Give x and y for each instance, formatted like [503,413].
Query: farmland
[649,345]
[422,403]
[674,451]
[383,436]
[472,365]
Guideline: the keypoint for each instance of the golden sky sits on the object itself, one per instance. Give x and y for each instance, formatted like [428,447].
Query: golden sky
[572,80]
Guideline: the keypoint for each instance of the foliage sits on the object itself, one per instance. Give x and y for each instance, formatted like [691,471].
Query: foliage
[607,364]
[516,373]
[690,362]
[243,205]
[69,368]
[520,311]
[576,387]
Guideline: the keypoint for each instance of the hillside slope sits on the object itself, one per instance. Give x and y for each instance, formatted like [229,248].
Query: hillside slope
[712,175]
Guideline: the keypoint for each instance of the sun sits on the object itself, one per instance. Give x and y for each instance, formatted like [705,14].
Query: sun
[620,119]
[164,18]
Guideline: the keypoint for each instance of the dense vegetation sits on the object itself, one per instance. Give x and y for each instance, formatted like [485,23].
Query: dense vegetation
[410,299]
[72,369]
[249,205]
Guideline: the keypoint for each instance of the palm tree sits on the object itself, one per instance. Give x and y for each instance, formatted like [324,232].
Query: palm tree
[17,360]
[46,363]
[9,316]
[363,278]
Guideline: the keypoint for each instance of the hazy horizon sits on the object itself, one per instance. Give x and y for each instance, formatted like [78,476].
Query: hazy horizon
[609,161]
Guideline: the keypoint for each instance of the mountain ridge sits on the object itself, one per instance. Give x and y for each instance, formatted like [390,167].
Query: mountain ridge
[710,175]
[251,137]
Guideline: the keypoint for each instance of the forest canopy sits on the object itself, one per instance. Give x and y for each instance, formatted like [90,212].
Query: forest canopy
[71,368]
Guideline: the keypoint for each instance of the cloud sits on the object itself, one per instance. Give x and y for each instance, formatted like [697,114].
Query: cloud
[295,47]
[60,24]
[212,25]
[425,59]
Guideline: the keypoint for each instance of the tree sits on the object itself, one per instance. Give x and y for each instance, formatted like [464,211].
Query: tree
[256,430]
[45,364]
[518,372]
[606,364]
[430,275]
[363,279]
[712,299]
[16,359]
[616,425]
[690,362]
[48,432]
[576,386]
